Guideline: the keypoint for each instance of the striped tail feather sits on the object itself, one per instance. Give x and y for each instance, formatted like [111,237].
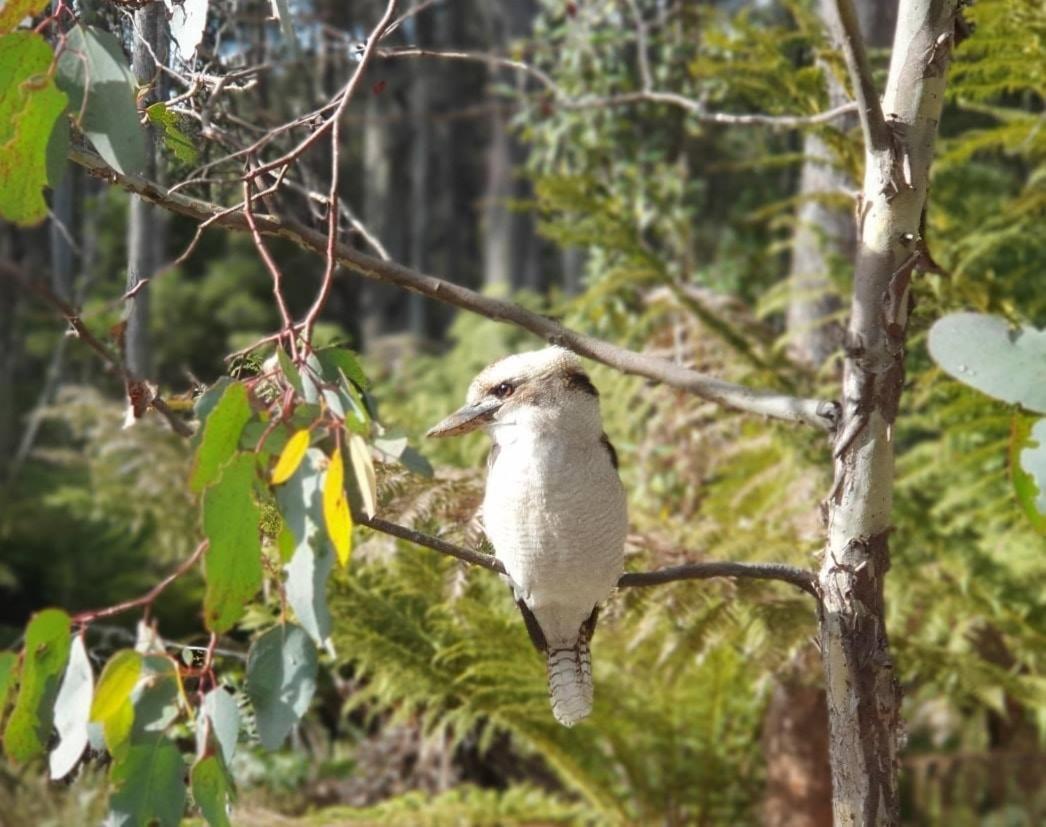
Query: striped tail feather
[570,682]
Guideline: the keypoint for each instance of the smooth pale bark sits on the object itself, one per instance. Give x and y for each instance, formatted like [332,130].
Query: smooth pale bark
[862,689]
[798,782]
[825,231]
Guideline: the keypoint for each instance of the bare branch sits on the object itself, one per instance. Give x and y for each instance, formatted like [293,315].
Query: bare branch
[847,31]
[690,571]
[85,335]
[818,413]
[693,107]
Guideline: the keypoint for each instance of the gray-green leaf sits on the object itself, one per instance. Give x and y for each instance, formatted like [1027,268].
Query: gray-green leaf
[281,680]
[72,710]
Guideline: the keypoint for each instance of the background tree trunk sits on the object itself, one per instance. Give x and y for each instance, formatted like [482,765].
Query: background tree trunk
[145,247]
[862,689]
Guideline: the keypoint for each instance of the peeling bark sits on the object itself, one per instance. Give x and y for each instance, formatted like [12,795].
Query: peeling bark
[862,688]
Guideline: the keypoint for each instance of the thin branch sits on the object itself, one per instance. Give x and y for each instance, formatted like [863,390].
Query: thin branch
[818,413]
[801,578]
[847,31]
[178,425]
[694,107]
[150,596]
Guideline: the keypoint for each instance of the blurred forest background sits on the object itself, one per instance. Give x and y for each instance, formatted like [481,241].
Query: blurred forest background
[727,247]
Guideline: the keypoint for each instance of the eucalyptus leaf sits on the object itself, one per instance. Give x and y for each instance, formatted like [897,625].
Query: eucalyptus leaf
[281,680]
[72,711]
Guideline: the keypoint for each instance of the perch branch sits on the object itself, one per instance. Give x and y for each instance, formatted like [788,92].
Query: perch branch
[818,413]
[690,571]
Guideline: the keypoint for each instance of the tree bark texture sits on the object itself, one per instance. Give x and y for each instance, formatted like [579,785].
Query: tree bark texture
[862,689]
[825,232]
[144,235]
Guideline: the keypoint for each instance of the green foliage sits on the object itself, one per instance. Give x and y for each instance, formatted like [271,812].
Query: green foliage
[281,680]
[14,11]
[174,139]
[221,434]
[93,72]
[43,659]
[112,706]
[210,790]
[148,786]
[30,105]
[230,523]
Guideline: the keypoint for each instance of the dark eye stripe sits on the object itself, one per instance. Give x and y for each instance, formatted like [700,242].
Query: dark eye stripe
[578,380]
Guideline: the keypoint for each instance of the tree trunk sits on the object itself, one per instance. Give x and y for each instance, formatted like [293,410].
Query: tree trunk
[795,728]
[825,231]
[862,689]
[144,232]
[420,159]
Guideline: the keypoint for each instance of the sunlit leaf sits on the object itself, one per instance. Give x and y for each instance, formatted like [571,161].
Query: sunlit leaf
[43,659]
[221,433]
[15,11]
[93,72]
[210,791]
[1028,468]
[232,564]
[336,513]
[72,711]
[30,106]
[157,699]
[291,457]
[188,19]
[112,707]
[148,786]
[986,353]
[363,469]
[176,141]
[8,674]
[290,372]
[220,709]
[281,680]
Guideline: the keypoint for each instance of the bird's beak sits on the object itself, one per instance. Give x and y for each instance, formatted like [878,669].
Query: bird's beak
[466,419]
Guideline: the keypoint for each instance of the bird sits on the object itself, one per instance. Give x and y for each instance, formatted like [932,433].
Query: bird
[554,507]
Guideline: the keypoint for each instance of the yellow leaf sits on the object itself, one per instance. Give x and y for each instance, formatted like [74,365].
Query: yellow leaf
[336,508]
[363,468]
[291,457]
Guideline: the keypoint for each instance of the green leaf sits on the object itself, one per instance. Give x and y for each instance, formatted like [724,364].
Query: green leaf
[221,710]
[43,659]
[176,141]
[301,504]
[148,786]
[93,72]
[30,104]
[290,372]
[221,433]
[1028,467]
[210,790]
[232,564]
[156,699]
[338,361]
[8,674]
[72,711]
[15,11]
[281,680]
[112,707]
[986,353]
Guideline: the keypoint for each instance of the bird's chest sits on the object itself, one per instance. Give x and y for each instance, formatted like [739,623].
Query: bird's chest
[554,511]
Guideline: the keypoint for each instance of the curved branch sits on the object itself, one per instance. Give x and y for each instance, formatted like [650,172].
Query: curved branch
[634,579]
[818,413]
[842,20]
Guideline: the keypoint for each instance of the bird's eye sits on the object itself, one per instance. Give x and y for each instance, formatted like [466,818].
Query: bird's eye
[503,391]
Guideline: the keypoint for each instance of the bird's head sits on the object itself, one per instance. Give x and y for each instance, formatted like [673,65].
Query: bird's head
[542,390]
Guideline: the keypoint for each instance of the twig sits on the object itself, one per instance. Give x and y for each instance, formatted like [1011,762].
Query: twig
[85,335]
[694,107]
[818,413]
[150,596]
[691,571]
[847,30]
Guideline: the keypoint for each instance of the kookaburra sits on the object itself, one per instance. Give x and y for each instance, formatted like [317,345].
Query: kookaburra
[554,507]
